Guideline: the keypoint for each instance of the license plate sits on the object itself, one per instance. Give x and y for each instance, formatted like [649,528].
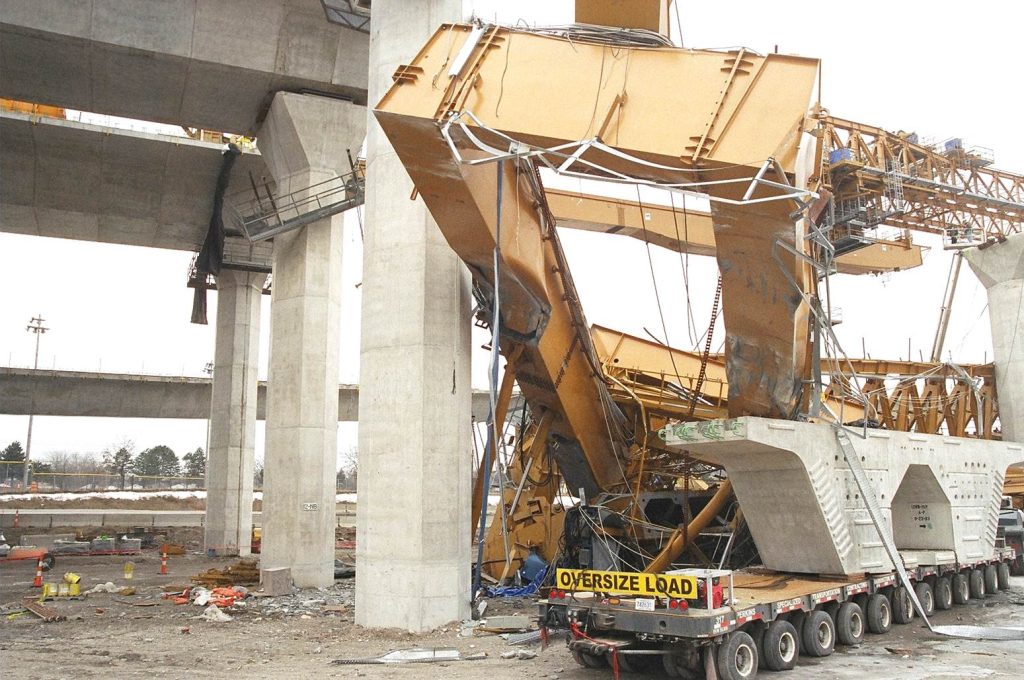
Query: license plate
[643,604]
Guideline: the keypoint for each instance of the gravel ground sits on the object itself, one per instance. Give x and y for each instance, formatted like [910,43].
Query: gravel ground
[111,636]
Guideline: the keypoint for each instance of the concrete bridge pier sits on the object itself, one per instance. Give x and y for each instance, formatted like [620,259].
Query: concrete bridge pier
[304,141]
[1000,267]
[412,527]
[229,466]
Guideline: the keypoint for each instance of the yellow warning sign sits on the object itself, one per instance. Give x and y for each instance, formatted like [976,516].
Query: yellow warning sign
[676,586]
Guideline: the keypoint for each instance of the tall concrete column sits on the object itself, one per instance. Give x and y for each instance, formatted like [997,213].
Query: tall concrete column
[229,467]
[304,141]
[1000,267]
[412,538]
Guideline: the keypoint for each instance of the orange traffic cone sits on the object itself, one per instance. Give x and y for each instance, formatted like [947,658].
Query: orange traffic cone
[38,582]
[163,563]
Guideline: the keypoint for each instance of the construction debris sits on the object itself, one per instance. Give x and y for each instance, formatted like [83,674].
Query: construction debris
[434,655]
[213,613]
[243,572]
[521,654]
[276,581]
[505,624]
[107,587]
[47,614]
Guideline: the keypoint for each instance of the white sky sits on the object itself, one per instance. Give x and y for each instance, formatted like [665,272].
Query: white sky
[939,68]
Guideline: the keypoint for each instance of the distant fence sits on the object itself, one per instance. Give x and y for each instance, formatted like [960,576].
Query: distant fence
[43,481]
[72,482]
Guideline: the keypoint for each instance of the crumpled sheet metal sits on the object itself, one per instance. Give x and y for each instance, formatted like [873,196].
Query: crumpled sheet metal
[980,632]
[406,656]
[766,349]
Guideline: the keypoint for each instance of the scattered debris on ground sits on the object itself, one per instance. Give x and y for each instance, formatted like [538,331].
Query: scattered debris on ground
[243,572]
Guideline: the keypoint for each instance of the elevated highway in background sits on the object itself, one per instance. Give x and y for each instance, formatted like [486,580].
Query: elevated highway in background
[118,395]
[213,64]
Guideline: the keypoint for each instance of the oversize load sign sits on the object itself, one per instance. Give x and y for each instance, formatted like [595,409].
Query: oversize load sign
[628,583]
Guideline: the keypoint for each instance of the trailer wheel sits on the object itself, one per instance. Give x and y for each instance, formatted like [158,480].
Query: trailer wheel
[638,663]
[819,634]
[781,646]
[976,584]
[1003,575]
[737,657]
[943,593]
[850,624]
[902,606]
[588,660]
[926,597]
[49,561]
[681,662]
[879,614]
[991,579]
[961,589]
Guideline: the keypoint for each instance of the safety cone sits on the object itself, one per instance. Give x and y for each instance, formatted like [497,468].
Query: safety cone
[38,582]
[163,563]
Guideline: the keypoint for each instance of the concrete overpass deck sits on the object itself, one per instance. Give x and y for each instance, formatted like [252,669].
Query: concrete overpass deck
[214,64]
[44,392]
[68,179]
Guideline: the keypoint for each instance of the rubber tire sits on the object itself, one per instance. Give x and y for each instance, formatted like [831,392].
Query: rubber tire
[1003,576]
[49,562]
[676,665]
[902,606]
[643,664]
[850,624]
[781,646]
[879,614]
[961,588]
[943,593]
[926,597]
[976,584]
[991,579]
[737,657]
[818,637]
[588,660]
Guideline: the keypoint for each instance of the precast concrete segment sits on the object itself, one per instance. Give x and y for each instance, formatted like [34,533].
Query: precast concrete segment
[213,64]
[415,452]
[1000,267]
[45,392]
[939,495]
[229,468]
[304,141]
[67,179]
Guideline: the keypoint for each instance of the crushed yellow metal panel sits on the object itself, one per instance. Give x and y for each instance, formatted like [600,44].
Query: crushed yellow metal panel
[691,231]
[704,117]
[647,14]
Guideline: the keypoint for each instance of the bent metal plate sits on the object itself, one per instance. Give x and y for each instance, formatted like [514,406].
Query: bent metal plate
[628,583]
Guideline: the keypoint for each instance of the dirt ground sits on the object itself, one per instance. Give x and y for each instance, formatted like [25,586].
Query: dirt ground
[142,636]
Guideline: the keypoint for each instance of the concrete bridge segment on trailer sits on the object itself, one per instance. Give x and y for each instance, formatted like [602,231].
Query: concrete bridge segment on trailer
[938,494]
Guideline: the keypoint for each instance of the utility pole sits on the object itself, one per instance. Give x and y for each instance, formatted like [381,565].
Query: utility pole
[208,370]
[35,325]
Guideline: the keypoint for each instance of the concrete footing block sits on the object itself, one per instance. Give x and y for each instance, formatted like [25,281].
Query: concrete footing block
[276,581]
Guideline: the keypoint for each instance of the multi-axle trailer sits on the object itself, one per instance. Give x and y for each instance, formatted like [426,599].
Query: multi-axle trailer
[729,625]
